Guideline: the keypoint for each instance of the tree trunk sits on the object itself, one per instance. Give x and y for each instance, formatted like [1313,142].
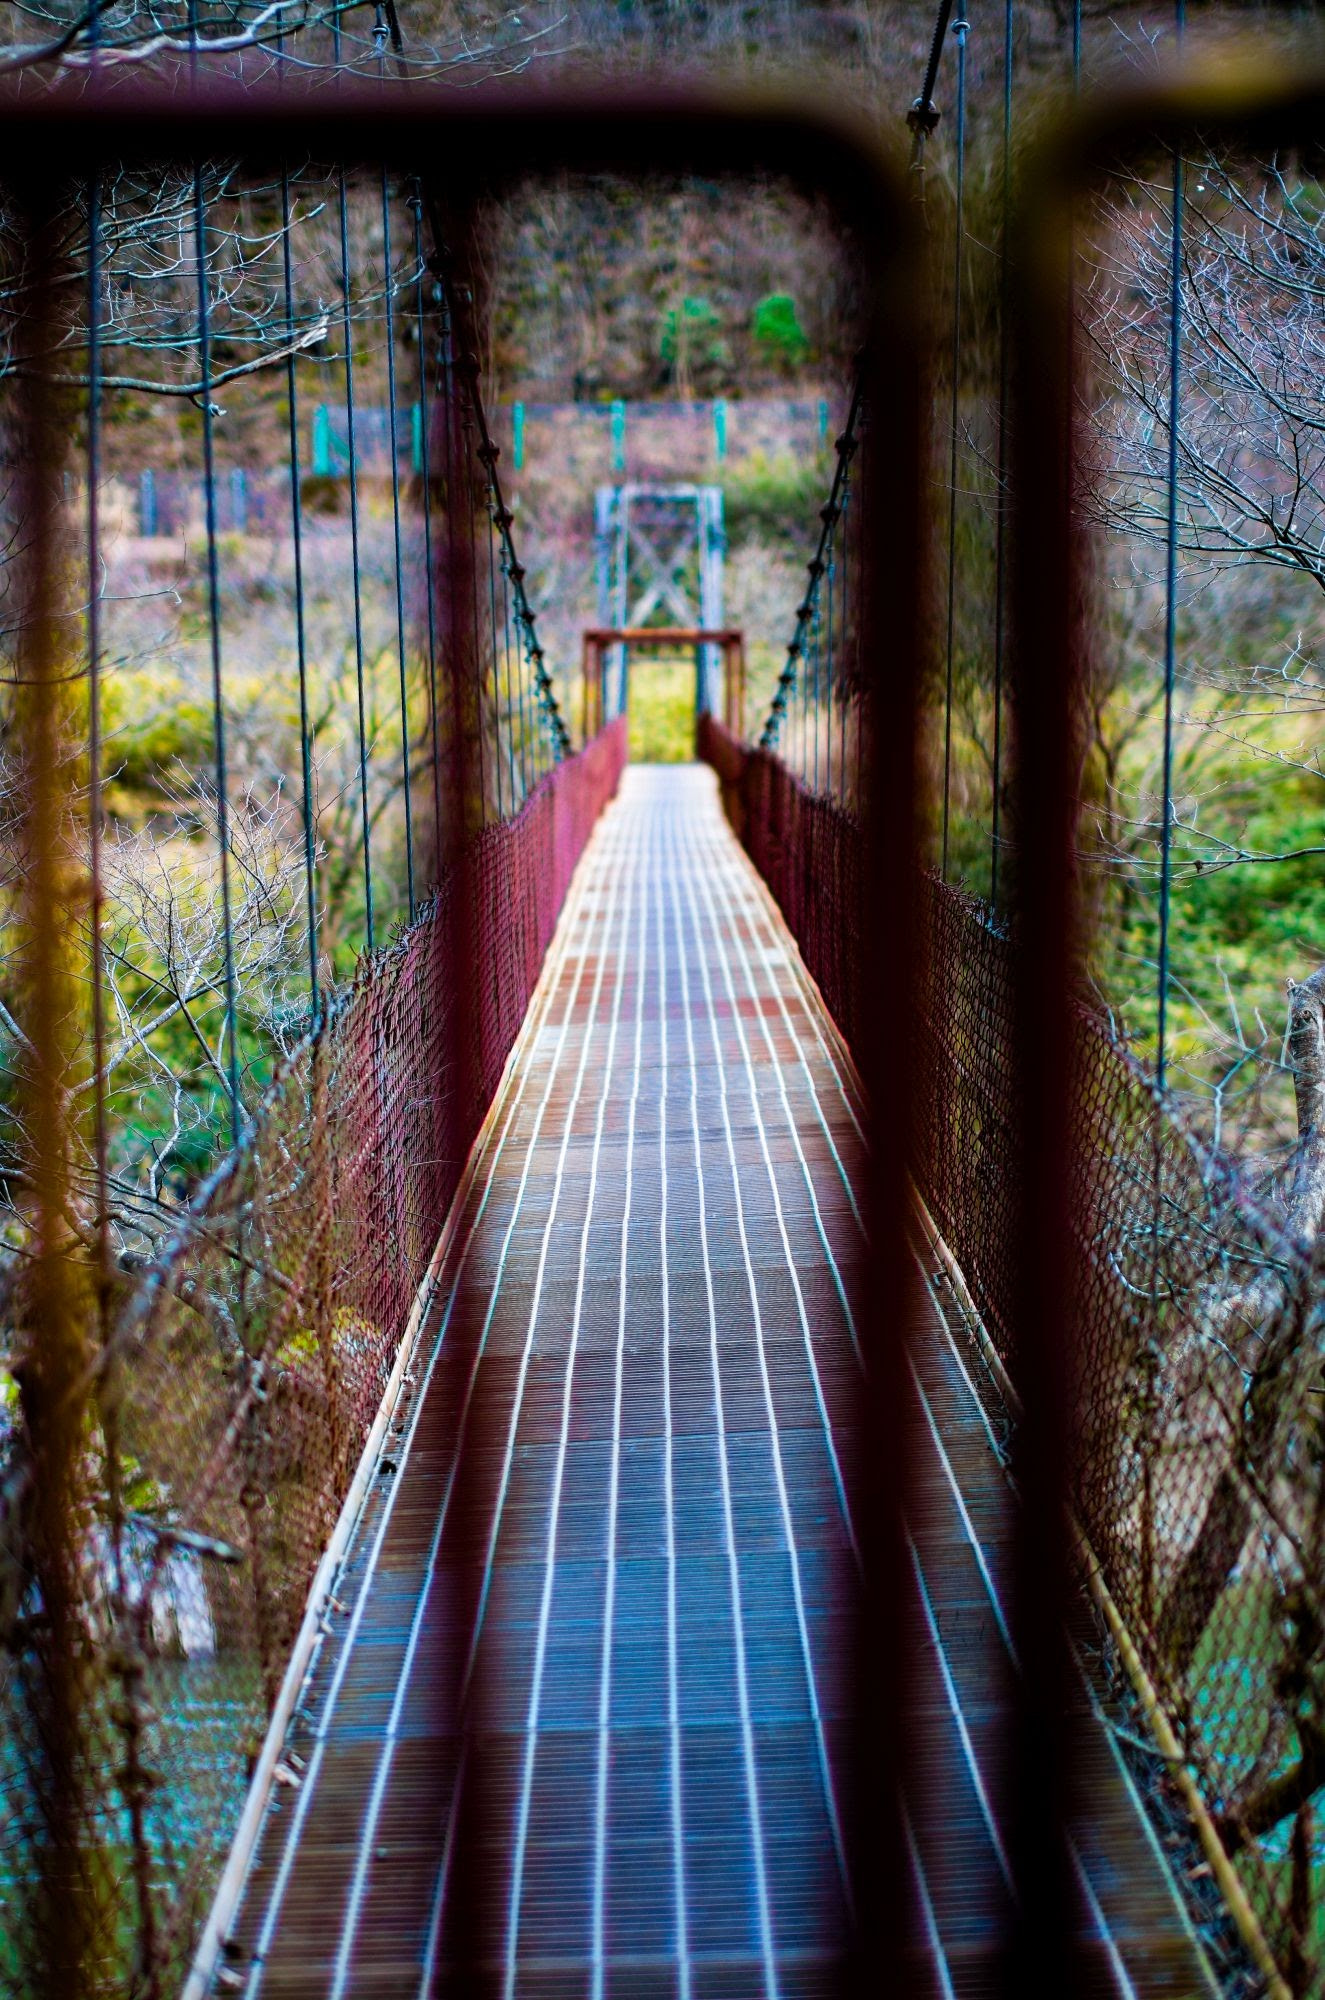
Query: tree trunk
[1248,1818]
[1306,1053]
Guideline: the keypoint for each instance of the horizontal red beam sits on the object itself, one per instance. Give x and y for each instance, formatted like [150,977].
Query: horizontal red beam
[664,635]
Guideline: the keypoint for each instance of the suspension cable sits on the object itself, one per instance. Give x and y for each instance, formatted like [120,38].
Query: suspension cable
[844,599]
[803,686]
[214,626]
[520,677]
[1170,604]
[1001,473]
[425,455]
[351,447]
[556,733]
[960,29]
[1076,46]
[846,447]
[300,627]
[96,886]
[390,277]
[480,674]
[488,454]
[817,629]
[497,672]
[924,113]
[828,655]
[494,547]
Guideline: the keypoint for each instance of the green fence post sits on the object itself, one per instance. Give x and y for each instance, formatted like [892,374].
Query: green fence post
[823,423]
[322,442]
[416,436]
[618,437]
[517,449]
[720,427]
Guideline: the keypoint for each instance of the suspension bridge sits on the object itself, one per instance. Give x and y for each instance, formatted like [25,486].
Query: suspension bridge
[649,1465]
[646,1288]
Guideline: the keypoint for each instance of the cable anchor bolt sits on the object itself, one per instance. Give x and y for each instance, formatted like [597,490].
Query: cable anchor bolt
[923,117]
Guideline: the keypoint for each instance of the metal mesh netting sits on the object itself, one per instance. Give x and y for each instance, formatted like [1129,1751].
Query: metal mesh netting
[234,1401]
[1198,1461]
[807,848]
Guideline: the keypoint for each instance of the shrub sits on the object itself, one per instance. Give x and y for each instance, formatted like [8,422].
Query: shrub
[778,333]
[153,725]
[691,345]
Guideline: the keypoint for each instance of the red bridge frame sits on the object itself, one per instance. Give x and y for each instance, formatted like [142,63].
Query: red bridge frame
[599,637]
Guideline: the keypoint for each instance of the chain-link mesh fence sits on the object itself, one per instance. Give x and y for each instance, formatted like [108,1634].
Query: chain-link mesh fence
[1198,1460]
[1196,1454]
[807,848]
[229,1410]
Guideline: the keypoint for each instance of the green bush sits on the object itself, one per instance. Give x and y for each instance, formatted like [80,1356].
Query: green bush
[152,727]
[778,333]
[691,345]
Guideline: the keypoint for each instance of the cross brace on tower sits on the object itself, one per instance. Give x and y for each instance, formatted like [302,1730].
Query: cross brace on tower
[660,553]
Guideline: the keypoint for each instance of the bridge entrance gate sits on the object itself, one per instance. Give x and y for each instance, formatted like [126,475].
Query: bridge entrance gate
[660,553]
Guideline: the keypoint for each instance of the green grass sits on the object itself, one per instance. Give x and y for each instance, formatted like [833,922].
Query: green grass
[777,497]
[662,709]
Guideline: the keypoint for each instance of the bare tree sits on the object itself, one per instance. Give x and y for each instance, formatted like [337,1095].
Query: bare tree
[1236,1399]
[1251,476]
[1251,446]
[50,39]
[163,1073]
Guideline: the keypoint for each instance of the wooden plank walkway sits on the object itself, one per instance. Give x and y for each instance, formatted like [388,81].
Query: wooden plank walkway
[640,1331]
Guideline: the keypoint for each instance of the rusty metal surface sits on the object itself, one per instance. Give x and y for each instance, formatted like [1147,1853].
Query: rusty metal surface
[653,1288]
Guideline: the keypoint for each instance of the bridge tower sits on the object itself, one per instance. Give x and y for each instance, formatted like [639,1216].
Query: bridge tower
[660,549]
